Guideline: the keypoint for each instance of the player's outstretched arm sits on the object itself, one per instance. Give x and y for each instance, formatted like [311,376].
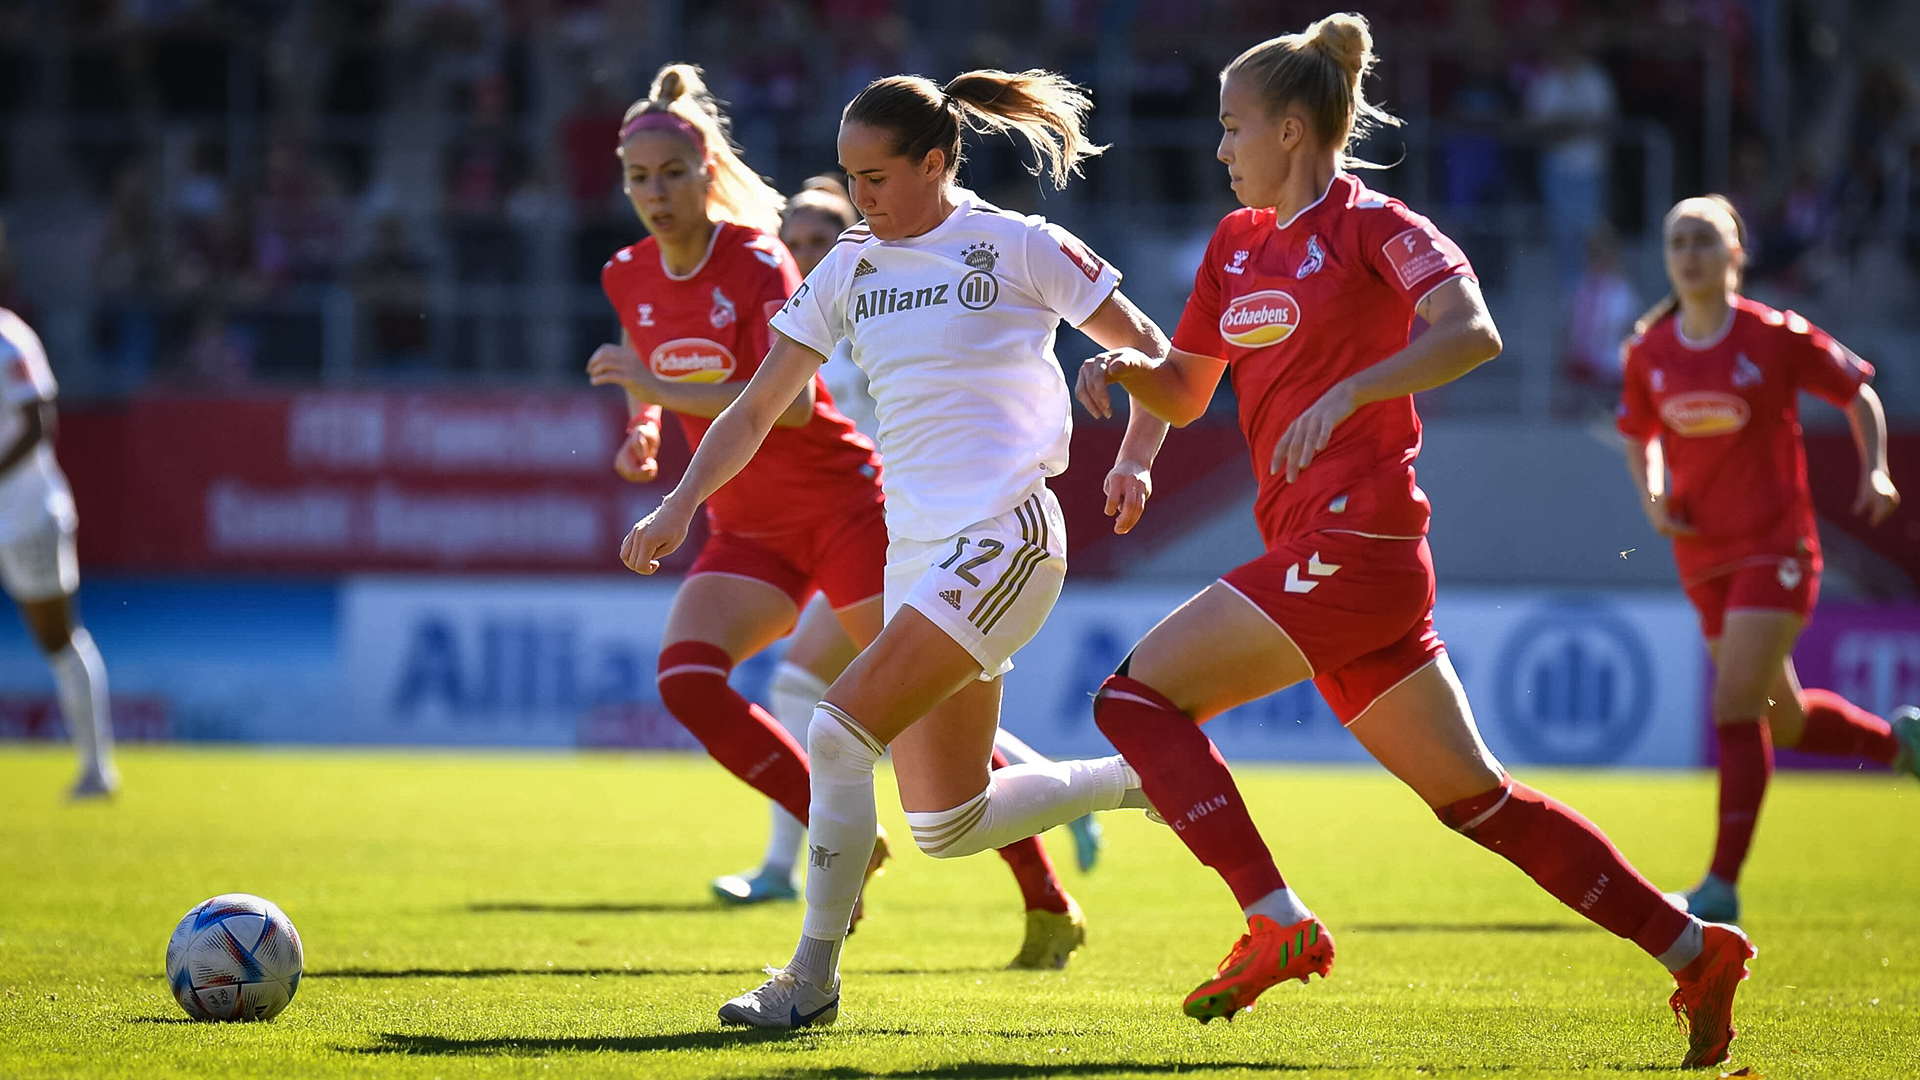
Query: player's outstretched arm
[619,365]
[1174,386]
[729,444]
[1461,337]
[1121,328]
[1877,498]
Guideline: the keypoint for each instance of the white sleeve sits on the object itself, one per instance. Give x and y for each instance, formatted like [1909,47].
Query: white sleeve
[815,315]
[1066,274]
[24,373]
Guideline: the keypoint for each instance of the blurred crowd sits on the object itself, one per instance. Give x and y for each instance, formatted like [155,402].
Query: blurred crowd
[432,178]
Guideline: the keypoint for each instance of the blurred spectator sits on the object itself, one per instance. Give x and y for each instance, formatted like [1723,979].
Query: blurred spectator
[218,356]
[484,168]
[391,283]
[1603,309]
[1571,103]
[1480,105]
[300,232]
[11,297]
[588,137]
[129,256]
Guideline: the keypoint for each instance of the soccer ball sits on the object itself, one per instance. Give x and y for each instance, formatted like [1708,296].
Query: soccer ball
[234,957]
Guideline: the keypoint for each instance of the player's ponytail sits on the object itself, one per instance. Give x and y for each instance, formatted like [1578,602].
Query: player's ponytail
[1720,211]
[1048,111]
[735,193]
[1321,69]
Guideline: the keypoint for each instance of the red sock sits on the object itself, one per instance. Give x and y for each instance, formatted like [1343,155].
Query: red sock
[1839,727]
[1746,764]
[1186,780]
[1570,858]
[739,734]
[1039,886]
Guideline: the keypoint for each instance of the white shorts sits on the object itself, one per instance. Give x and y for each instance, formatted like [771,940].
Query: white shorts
[991,586]
[37,522]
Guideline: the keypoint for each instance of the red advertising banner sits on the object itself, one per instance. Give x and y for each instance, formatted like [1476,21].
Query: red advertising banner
[331,482]
[328,482]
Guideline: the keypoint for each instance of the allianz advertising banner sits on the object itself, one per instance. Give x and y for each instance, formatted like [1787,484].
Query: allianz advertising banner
[1577,678]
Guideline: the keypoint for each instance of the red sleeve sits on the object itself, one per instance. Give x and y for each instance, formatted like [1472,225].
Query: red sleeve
[1820,365]
[772,285]
[1411,255]
[1636,417]
[1199,328]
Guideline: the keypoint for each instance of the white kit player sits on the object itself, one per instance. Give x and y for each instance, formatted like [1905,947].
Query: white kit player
[951,306]
[38,563]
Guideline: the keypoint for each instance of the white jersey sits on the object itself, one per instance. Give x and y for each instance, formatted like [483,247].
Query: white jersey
[33,494]
[848,385]
[955,330]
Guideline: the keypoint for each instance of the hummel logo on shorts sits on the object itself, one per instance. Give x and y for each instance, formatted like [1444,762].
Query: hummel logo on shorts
[864,268]
[952,596]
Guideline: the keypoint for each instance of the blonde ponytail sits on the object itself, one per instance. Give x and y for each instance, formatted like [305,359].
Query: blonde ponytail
[1047,111]
[1322,69]
[735,192]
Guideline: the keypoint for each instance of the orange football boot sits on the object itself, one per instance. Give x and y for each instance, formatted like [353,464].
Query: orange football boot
[876,865]
[1266,954]
[1703,1004]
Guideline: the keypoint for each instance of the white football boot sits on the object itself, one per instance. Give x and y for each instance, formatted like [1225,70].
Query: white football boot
[784,1001]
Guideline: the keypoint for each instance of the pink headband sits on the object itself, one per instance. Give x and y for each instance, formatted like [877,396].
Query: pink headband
[662,120]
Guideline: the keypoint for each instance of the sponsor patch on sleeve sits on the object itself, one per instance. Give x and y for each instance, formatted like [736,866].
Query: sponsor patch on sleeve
[1419,253]
[1087,261]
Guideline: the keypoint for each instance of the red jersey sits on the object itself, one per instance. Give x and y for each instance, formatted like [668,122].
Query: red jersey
[1295,307]
[711,327]
[1727,412]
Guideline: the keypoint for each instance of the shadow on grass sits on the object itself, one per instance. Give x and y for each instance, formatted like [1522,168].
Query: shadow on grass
[600,907]
[507,972]
[597,972]
[1475,928]
[441,1046]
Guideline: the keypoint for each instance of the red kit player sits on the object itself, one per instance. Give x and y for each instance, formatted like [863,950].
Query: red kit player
[1712,399]
[694,299]
[1308,296]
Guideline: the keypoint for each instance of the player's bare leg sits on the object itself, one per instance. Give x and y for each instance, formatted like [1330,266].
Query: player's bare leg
[1214,652]
[80,676]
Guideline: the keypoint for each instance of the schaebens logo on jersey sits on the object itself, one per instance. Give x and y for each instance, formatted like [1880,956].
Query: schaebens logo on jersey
[1704,413]
[692,360]
[979,289]
[1261,318]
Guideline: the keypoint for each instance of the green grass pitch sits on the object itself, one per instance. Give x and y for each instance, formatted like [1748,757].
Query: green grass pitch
[547,915]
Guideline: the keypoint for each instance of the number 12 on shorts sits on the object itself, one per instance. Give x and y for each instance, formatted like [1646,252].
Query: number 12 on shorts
[989,550]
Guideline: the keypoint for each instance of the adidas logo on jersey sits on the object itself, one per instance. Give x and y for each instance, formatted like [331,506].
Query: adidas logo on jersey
[863,268]
[952,597]
[887,301]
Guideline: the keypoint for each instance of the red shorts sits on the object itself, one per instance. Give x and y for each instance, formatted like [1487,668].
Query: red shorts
[845,557]
[1359,609]
[1769,583]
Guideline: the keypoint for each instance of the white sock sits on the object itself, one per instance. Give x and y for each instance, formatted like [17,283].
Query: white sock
[1685,948]
[1015,751]
[1021,801]
[845,824]
[1281,906]
[790,698]
[81,677]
